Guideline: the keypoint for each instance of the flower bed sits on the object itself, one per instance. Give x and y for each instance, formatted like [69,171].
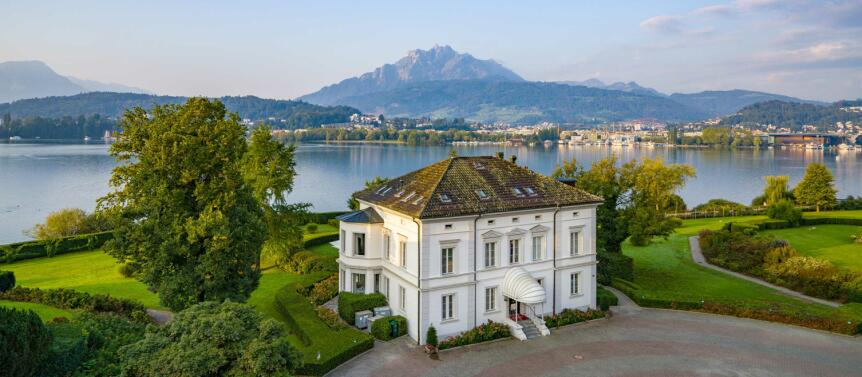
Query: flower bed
[482,333]
[569,316]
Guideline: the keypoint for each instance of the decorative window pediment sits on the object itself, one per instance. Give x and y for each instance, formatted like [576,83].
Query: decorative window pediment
[491,234]
[539,229]
[516,232]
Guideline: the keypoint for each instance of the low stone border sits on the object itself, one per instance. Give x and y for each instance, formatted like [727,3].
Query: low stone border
[476,344]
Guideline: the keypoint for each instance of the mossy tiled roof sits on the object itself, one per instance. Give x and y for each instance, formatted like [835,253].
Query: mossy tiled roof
[461,186]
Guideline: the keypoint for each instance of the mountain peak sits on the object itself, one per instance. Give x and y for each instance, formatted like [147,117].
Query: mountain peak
[437,63]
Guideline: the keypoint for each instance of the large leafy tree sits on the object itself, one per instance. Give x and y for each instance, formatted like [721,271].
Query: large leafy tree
[269,168]
[185,213]
[652,188]
[776,189]
[212,339]
[816,188]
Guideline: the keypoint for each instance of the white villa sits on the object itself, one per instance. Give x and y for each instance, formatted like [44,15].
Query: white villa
[472,239]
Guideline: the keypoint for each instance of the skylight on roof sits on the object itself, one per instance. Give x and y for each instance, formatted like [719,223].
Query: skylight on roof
[517,192]
[407,198]
[419,199]
[444,198]
[482,194]
[399,193]
[530,191]
[478,165]
[382,190]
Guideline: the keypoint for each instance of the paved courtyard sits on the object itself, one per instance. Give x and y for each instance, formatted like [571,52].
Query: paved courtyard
[634,342]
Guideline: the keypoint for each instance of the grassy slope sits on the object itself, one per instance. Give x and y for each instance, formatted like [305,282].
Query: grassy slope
[830,242]
[45,312]
[87,271]
[665,270]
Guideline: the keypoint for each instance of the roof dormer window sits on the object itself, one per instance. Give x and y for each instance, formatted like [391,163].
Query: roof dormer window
[444,198]
[478,165]
[482,194]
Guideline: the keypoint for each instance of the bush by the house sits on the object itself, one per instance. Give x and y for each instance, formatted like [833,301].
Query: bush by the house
[431,336]
[614,265]
[7,280]
[784,210]
[329,317]
[324,290]
[605,298]
[482,333]
[306,262]
[75,300]
[48,248]
[569,316]
[24,341]
[381,328]
[350,303]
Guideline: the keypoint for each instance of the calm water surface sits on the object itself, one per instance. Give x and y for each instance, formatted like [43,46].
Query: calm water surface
[36,179]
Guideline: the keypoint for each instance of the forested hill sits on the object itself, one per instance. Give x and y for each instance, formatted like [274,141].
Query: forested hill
[795,115]
[287,114]
[519,102]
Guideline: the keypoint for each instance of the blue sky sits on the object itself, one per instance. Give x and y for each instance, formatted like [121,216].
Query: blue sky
[283,49]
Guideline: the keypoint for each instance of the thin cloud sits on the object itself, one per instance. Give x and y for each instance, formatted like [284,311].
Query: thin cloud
[715,10]
[663,24]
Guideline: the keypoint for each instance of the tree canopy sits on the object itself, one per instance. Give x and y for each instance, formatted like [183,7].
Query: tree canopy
[816,188]
[185,213]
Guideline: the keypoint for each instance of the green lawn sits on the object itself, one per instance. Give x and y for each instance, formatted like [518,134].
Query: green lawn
[45,312]
[87,271]
[666,271]
[829,242]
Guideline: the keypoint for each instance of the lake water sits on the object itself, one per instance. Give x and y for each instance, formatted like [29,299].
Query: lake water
[36,179]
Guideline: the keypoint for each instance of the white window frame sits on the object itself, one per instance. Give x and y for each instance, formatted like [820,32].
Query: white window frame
[516,242]
[538,247]
[575,284]
[402,253]
[387,247]
[353,280]
[447,260]
[343,241]
[357,236]
[386,287]
[492,253]
[575,242]
[402,298]
[447,307]
[490,299]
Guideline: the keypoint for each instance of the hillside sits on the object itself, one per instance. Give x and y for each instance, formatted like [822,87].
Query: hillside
[794,115]
[287,114]
[35,79]
[438,63]
[724,102]
[519,102]
[631,86]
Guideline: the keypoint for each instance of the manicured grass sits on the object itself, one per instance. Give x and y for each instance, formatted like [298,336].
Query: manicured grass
[87,271]
[322,229]
[665,271]
[325,250]
[829,242]
[45,312]
[273,280]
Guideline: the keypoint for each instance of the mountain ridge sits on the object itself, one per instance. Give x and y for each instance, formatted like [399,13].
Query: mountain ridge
[35,79]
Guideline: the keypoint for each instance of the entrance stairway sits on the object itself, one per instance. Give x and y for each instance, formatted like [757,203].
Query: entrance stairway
[530,329]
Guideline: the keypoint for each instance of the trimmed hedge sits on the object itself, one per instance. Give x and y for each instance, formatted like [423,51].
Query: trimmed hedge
[569,316]
[605,299]
[48,248]
[305,262]
[380,327]
[7,280]
[350,303]
[324,217]
[75,300]
[335,346]
[320,240]
[614,265]
[320,292]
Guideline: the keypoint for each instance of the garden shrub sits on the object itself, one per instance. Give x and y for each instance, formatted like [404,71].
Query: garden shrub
[812,276]
[350,303]
[329,317]
[324,290]
[106,334]
[482,333]
[737,251]
[7,280]
[614,265]
[605,298]
[68,350]
[128,269]
[784,210]
[43,248]
[75,300]
[305,262]
[333,223]
[320,240]
[569,316]
[24,340]
[380,328]
[311,228]
[325,217]
[431,336]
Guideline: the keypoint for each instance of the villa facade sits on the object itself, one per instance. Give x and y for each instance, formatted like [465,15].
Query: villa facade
[472,239]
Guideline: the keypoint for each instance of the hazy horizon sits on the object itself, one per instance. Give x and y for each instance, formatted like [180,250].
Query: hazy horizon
[805,49]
